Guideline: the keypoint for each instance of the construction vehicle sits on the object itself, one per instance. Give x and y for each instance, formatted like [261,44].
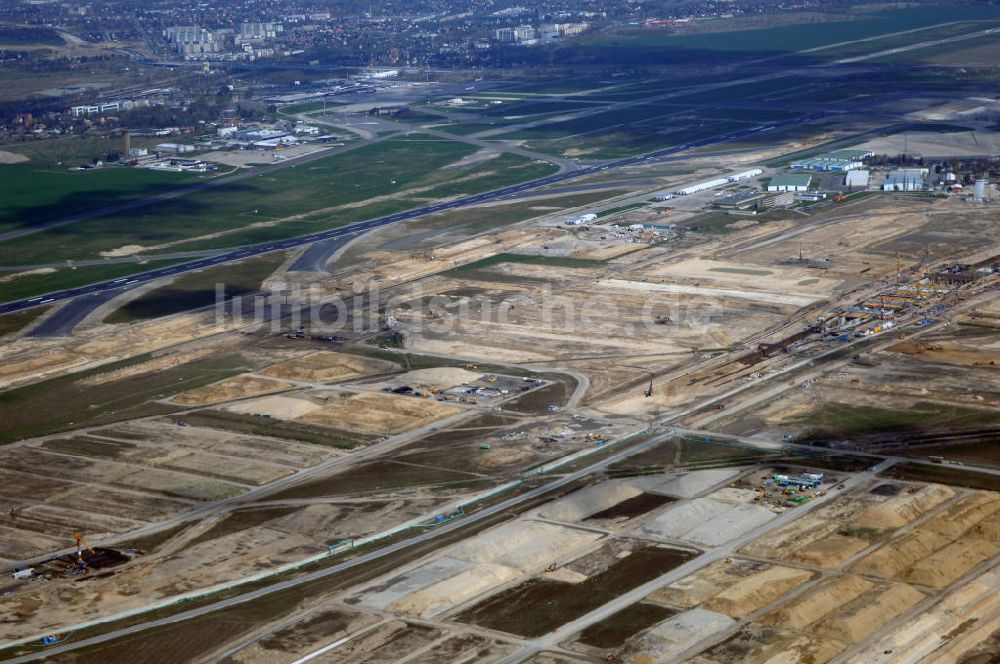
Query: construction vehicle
[648,392]
[840,199]
[470,365]
[81,544]
[551,567]
[51,639]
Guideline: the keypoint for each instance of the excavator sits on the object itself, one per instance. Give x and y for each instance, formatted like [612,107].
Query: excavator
[81,544]
[648,392]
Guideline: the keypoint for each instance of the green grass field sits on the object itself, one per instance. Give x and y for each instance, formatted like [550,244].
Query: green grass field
[34,195]
[17,321]
[197,289]
[838,419]
[302,197]
[63,403]
[641,46]
[36,284]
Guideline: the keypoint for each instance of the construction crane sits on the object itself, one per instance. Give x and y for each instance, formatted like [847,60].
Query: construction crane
[648,392]
[81,544]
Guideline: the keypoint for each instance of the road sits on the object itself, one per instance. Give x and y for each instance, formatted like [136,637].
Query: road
[379,222]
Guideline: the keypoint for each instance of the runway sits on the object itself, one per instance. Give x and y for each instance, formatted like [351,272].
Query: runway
[371,224]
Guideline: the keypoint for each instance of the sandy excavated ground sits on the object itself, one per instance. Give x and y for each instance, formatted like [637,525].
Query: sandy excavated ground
[437,378]
[768,278]
[828,536]
[674,635]
[180,565]
[237,387]
[28,359]
[957,624]
[474,567]
[317,628]
[930,144]
[736,589]
[328,366]
[372,412]
[941,549]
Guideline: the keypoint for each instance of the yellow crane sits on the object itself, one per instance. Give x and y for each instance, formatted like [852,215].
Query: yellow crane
[81,544]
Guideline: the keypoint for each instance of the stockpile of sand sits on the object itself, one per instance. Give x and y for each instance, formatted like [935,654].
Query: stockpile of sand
[785,541]
[828,552]
[753,592]
[733,496]
[854,621]
[527,546]
[943,567]
[988,529]
[893,559]
[697,482]
[964,514]
[326,365]
[729,525]
[475,566]
[236,387]
[589,500]
[439,378]
[278,407]
[904,507]
[930,637]
[706,583]
[820,601]
[156,364]
[376,412]
[768,647]
[455,590]
[677,521]
[660,642]
[705,521]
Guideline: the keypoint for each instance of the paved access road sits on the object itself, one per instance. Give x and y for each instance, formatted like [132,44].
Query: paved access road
[467,201]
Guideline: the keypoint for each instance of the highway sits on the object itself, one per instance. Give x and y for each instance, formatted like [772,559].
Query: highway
[371,224]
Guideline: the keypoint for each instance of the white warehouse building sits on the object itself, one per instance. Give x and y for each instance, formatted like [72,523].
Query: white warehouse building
[905,179]
[702,186]
[752,173]
[857,178]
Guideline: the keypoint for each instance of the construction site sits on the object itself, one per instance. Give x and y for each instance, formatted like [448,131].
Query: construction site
[661,434]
